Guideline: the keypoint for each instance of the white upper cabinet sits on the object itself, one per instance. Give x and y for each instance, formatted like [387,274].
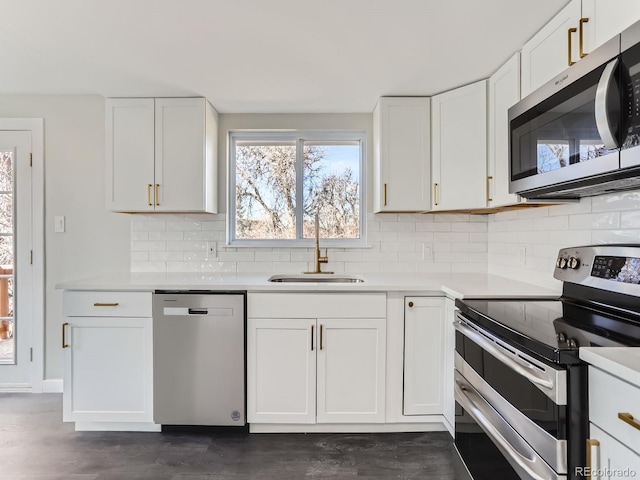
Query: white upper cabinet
[160,155]
[401,137]
[552,49]
[459,148]
[607,19]
[504,92]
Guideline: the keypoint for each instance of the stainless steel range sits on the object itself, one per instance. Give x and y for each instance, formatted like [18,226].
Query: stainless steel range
[520,387]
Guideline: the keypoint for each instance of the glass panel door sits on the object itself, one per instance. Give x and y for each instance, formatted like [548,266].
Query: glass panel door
[7,255]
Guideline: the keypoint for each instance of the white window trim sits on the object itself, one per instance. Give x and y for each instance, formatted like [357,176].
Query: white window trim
[296,136]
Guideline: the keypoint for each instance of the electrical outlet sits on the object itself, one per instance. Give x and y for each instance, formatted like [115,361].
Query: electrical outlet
[211,251]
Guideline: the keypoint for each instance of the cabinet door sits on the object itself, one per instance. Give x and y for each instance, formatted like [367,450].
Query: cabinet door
[108,370]
[504,92]
[547,53]
[449,403]
[401,154]
[281,370]
[129,154]
[423,356]
[182,170]
[606,19]
[459,148]
[351,370]
[609,455]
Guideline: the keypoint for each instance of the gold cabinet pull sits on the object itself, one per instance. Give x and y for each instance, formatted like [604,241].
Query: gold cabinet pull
[583,20]
[312,337]
[149,194]
[569,32]
[489,199]
[591,442]
[411,304]
[628,418]
[64,336]
[385,194]
[156,192]
[98,304]
[320,336]
[435,194]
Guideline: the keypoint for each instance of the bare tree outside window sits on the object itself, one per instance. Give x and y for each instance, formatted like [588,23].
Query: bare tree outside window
[270,202]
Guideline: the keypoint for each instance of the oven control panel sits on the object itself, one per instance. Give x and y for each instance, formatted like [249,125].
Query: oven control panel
[608,267]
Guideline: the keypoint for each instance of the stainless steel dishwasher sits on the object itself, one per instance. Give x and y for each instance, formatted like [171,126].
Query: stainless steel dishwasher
[199,358]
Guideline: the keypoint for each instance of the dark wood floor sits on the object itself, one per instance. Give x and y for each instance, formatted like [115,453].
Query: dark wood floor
[36,445]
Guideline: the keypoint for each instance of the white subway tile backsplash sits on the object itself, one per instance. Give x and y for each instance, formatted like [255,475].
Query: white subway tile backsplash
[630,219]
[202,235]
[615,236]
[551,223]
[433,227]
[185,246]
[616,202]
[272,256]
[398,227]
[595,221]
[147,246]
[181,225]
[165,235]
[139,256]
[162,256]
[139,236]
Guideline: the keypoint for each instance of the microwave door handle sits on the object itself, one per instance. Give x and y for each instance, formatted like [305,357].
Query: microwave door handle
[603,122]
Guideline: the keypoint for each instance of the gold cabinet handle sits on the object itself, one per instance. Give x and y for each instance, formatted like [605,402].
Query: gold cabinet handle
[591,443]
[569,32]
[411,304]
[320,336]
[583,20]
[628,418]
[385,194]
[156,192]
[435,194]
[489,199]
[149,194]
[312,337]
[64,336]
[97,304]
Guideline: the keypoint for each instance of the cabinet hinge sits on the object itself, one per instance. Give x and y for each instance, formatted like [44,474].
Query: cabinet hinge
[30,257]
[31,159]
[31,354]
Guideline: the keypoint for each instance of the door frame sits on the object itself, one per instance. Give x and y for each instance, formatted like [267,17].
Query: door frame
[36,127]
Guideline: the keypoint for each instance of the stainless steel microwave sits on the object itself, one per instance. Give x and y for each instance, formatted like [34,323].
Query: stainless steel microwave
[579,134]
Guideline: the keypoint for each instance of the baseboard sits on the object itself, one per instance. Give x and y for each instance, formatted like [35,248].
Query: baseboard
[15,388]
[52,385]
[345,428]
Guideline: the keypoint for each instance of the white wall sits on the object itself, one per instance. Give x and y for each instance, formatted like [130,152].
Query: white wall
[96,241]
[542,232]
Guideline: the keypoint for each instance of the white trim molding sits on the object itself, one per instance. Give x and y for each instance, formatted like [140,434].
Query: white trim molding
[52,385]
[36,127]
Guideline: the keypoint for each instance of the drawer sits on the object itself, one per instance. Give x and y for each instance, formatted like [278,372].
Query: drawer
[613,456]
[107,304]
[610,396]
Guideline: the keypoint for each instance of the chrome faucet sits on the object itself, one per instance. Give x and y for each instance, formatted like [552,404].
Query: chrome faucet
[318,258]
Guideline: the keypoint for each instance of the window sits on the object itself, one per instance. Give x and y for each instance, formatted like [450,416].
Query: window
[279,181]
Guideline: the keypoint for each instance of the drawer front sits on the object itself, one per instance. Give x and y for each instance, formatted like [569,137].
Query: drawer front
[609,397]
[316,305]
[611,459]
[107,304]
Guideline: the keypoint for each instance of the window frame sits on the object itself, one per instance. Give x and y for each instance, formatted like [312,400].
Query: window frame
[298,137]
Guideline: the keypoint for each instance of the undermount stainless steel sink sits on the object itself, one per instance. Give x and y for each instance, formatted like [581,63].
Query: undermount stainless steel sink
[316,278]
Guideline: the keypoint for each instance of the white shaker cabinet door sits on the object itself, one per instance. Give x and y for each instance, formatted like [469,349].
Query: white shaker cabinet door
[351,370]
[423,356]
[504,92]
[281,370]
[459,148]
[108,370]
[184,152]
[551,50]
[129,151]
[606,19]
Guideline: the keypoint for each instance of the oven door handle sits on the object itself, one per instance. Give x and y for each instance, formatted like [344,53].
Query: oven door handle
[481,412]
[515,363]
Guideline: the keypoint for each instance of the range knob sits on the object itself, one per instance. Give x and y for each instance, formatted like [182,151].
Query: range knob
[562,263]
[573,343]
[562,337]
[574,263]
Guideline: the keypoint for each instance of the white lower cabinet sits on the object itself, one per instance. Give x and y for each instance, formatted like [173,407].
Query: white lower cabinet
[108,361]
[609,458]
[325,369]
[423,356]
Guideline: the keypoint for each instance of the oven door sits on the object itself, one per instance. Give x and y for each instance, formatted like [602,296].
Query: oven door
[510,409]
[568,129]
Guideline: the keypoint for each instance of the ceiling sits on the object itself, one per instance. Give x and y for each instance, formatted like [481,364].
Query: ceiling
[261,56]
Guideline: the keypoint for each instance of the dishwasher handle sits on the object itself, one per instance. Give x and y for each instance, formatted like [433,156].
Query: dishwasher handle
[198,311]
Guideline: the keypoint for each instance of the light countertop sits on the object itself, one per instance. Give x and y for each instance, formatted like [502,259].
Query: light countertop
[452,285]
[623,362]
